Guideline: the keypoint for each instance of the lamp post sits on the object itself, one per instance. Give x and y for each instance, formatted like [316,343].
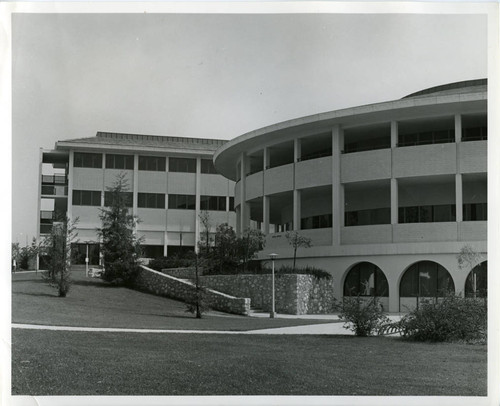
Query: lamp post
[272,313]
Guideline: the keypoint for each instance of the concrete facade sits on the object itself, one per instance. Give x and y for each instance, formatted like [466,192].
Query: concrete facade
[399,186]
[185,171]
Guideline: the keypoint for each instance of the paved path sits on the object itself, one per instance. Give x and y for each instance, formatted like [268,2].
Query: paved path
[329,329]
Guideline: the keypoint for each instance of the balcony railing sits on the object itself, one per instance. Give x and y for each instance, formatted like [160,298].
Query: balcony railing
[315,155]
[475,134]
[54,179]
[426,138]
[54,190]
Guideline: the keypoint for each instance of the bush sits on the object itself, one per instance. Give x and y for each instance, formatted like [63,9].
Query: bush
[362,315]
[170,262]
[453,318]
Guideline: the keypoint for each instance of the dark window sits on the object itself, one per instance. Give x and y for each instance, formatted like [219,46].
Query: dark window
[476,284]
[87,160]
[182,165]
[368,145]
[151,200]
[185,202]
[119,161]
[86,198]
[207,166]
[319,221]
[475,211]
[426,137]
[79,253]
[231,204]
[475,134]
[427,214]
[127,196]
[152,163]
[426,279]
[216,203]
[179,250]
[152,251]
[366,279]
[368,217]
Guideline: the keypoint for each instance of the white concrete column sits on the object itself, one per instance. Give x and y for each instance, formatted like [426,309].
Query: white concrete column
[71,174]
[459,198]
[165,233]
[265,213]
[394,134]
[297,149]
[238,220]
[296,210]
[393,283]
[244,210]
[337,188]
[135,185]
[458,128]
[394,201]
[197,205]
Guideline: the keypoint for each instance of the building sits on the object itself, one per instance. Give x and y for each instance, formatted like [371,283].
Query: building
[171,180]
[389,193]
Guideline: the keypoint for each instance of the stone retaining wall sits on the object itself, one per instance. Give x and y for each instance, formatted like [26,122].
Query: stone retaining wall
[181,273]
[295,294]
[165,285]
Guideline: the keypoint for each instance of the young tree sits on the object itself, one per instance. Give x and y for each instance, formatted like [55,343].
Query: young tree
[57,248]
[250,243]
[468,258]
[225,248]
[24,256]
[205,243]
[297,241]
[120,246]
[198,303]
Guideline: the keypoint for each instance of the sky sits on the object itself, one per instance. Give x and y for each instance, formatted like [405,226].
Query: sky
[214,75]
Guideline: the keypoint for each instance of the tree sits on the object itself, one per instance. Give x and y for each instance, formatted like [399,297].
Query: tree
[120,245]
[198,303]
[468,258]
[297,241]
[57,248]
[225,248]
[25,256]
[205,243]
[250,243]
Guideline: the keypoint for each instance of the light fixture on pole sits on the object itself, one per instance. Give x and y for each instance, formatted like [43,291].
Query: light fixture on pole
[272,313]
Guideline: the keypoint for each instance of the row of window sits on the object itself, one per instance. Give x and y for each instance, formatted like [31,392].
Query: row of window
[422,279]
[152,200]
[146,163]
[320,221]
[417,214]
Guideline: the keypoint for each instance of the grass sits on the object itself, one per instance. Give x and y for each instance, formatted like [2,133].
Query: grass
[94,303]
[98,363]
[81,363]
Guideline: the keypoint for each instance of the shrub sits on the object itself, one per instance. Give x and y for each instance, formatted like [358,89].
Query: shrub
[170,262]
[453,318]
[363,316]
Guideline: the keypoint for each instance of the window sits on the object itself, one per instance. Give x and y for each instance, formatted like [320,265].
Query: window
[217,203]
[152,251]
[427,214]
[152,163]
[127,196]
[182,165]
[151,200]
[476,284]
[368,217]
[366,279]
[367,145]
[427,137]
[426,279]
[320,221]
[87,160]
[475,211]
[207,166]
[86,198]
[475,134]
[119,161]
[231,204]
[185,202]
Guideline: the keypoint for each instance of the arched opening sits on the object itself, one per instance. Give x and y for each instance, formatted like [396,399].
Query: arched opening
[424,281]
[367,280]
[476,284]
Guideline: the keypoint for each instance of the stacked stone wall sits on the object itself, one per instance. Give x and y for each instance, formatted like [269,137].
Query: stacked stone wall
[160,284]
[294,294]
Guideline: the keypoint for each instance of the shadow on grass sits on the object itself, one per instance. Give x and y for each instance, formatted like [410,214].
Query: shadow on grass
[99,283]
[37,294]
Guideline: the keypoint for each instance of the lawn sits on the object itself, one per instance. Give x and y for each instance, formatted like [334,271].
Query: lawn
[82,363]
[94,303]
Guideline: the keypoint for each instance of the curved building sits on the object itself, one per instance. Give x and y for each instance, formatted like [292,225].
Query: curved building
[389,193]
